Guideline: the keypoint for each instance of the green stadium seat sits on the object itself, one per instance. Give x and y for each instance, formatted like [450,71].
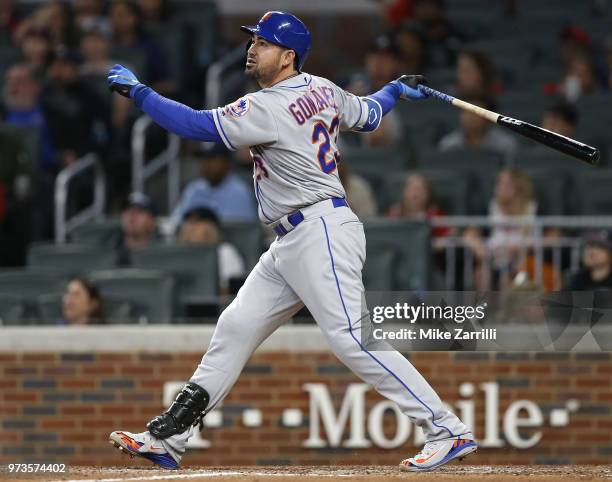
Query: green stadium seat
[12,310]
[105,232]
[550,191]
[464,159]
[372,161]
[70,259]
[149,292]
[412,240]
[592,193]
[201,19]
[542,157]
[379,268]
[450,189]
[28,138]
[25,285]
[194,269]
[248,238]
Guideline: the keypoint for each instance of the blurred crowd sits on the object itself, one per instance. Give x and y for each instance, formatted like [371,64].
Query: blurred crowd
[54,57]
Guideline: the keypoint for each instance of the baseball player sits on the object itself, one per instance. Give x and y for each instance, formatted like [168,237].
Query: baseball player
[291,126]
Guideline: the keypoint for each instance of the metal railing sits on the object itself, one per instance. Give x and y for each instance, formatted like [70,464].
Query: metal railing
[63,224]
[214,76]
[168,158]
[546,252]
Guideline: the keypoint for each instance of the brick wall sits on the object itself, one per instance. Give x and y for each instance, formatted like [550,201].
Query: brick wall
[62,406]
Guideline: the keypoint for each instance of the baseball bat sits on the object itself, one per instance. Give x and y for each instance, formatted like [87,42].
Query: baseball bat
[567,145]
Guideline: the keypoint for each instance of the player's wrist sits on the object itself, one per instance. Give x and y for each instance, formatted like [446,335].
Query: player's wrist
[394,88]
[139,93]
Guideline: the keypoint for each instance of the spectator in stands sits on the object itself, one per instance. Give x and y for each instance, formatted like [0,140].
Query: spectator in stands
[82,303]
[56,17]
[358,192]
[37,49]
[88,13]
[383,63]
[478,133]
[219,188]
[574,41]
[579,78]
[201,226]
[476,75]
[443,39]
[561,118]
[596,273]
[94,48]
[155,13]
[506,246]
[76,114]
[418,202]
[138,226]
[22,107]
[8,21]
[410,41]
[129,37]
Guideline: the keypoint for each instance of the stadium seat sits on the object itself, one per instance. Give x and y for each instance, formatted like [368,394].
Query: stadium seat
[464,159]
[370,161]
[550,191]
[202,22]
[116,311]
[25,286]
[592,192]
[379,268]
[194,269]
[149,292]
[12,310]
[70,259]
[248,238]
[29,140]
[412,240]
[450,189]
[542,157]
[101,233]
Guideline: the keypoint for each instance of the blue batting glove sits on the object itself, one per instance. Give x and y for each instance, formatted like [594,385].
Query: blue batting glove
[409,87]
[121,80]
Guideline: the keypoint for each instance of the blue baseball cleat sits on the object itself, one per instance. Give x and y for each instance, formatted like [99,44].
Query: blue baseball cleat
[144,445]
[439,452]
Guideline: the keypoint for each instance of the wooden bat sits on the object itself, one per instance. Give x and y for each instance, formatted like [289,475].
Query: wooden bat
[572,147]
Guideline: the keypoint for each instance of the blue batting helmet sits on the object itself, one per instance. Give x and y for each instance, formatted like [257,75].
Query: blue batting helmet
[284,29]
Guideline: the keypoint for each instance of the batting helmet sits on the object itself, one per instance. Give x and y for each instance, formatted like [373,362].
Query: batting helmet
[284,29]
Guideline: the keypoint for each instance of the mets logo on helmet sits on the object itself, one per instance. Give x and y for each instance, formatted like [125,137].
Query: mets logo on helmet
[238,108]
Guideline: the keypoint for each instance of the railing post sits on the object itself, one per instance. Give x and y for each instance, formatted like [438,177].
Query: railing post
[62,182]
[167,158]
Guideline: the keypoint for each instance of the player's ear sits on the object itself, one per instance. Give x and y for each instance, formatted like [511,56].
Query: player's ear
[288,58]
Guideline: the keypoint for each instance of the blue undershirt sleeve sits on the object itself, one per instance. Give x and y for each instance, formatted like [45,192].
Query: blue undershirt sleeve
[379,104]
[176,117]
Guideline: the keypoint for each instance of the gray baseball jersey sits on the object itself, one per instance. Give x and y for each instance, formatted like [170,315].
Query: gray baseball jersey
[292,130]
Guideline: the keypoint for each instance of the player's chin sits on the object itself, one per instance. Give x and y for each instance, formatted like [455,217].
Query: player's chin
[251,71]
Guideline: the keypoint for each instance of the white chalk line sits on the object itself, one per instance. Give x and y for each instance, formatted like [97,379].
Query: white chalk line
[207,474]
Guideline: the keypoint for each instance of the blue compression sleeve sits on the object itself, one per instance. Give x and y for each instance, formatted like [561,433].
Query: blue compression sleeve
[387,97]
[176,117]
[379,104]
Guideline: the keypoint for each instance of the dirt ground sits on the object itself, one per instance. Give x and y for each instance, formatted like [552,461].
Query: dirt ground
[324,474]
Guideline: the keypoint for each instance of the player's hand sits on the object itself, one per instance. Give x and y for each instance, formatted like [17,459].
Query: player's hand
[121,80]
[409,85]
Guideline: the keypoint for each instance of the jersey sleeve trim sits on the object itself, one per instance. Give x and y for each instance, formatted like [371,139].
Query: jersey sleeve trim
[222,133]
[359,117]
